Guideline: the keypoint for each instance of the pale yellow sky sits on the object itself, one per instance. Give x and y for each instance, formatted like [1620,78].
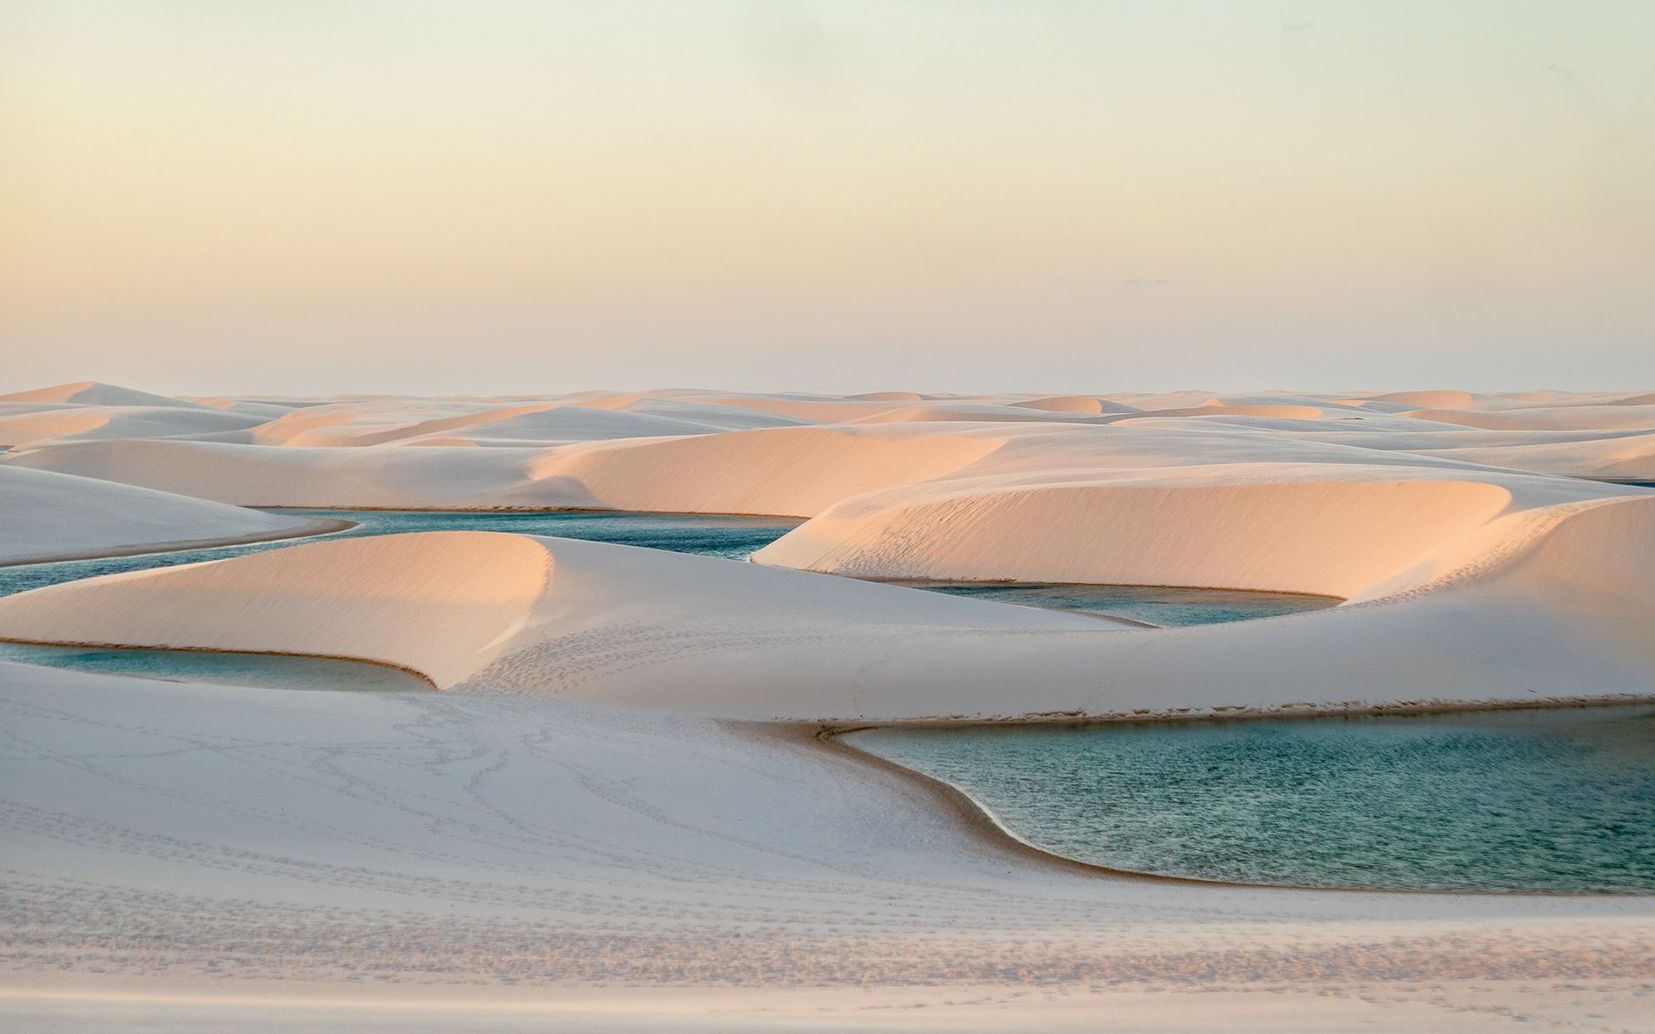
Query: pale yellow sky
[476,196]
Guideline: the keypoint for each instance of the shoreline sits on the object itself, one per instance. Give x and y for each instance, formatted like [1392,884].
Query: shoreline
[323,526]
[1227,713]
[949,799]
[988,828]
[288,507]
[420,675]
[926,583]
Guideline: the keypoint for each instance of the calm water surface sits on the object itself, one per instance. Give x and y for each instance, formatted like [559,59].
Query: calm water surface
[731,537]
[1556,800]
[1150,604]
[269,671]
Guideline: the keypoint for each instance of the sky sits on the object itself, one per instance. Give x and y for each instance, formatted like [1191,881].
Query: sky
[510,197]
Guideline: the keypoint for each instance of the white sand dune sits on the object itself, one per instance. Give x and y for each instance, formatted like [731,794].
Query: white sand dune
[96,393]
[269,409]
[790,471]
[704,411]
[1231,507]
[382,476]
[1630,458]
[1548,418]
[1302,534]
[784,470]
[44,515]
[1086,405]
[777,471]
[98,422]
[561,425]
[1427,399]
[431,603]
[1535,604]
[26,424]
[1269,412]
[548,425]
[1164,400]
[446,604]
[347,424]
[887,396]
[581,815]
[982,412]
[367,421]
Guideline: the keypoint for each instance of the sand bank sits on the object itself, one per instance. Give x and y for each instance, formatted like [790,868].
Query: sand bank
[48,516]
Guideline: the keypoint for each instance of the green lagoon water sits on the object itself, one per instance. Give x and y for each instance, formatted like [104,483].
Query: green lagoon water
[1554,800]
[268,671]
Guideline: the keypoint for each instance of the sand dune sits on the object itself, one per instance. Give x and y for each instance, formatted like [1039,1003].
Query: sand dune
[1086,405]
[1333,537]
[791,471]
[1630,457]
[887,396]
[705,411]
[95,393]
[435,604]
[616,625]
[554,424]
[355,422]
[987,412]
[99,422]
[812,409]
[35,424]
[46,515]
[250,475]
[269,409]
[353,425]
[1427,399]
[560,424]
[446,604]
[797,470]
[90,411]
[1269,412]
[1548,418]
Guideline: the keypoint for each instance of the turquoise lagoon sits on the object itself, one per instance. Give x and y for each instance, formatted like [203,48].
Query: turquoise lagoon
[1559,800]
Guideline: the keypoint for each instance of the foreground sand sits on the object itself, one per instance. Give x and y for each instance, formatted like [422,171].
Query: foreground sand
[595,823]
[489,851]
